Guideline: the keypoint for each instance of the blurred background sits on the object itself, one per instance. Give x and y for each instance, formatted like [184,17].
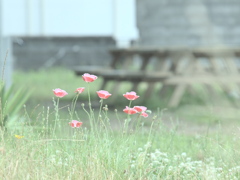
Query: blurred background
[41,39]
[112,18]
[31,27]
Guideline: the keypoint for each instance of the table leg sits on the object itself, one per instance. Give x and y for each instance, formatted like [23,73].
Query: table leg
[135,86]
[149,90]
[104,84]
[177,95]
[145,61]
[116,86]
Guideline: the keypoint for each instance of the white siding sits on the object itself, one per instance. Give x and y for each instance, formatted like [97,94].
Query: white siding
[70,18]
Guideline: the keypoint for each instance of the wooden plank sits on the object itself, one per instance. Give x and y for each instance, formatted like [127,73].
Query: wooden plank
[135,86]
[104,84]
[177,95]
[180,67]
[180,74]
[115,59]
[116,86]
[145,61]
[97,70]
[149,90]
[162,66]
[208,79]
[174,57]
[231,65]
[215,69]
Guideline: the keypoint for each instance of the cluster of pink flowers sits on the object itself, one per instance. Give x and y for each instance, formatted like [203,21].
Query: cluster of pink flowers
[103,95]
[136,109]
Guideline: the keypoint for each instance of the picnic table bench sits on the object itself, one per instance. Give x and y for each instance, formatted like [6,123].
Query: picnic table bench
[177,68]
[129,65]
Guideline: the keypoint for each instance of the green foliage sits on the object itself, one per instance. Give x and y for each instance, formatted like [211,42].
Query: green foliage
[44,81]
[106,154]
[11,101]
[157,147]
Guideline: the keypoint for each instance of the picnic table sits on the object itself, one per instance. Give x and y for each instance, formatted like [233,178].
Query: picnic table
[176,68]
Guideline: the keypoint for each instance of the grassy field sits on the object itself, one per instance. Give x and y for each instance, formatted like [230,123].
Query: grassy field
[195,141]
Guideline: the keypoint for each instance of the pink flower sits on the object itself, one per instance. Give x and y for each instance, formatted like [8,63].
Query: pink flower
[144,114]
[131,95]
[80,90]
[103,94]
[140,108]
[59,92]
[88,77]
[75,124]
[130,110]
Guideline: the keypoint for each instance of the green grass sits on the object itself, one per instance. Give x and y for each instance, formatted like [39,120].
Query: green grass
[194,141]
[44,81]
[106,154]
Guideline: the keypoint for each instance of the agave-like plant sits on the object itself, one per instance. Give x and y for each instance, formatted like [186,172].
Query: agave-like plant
[11,101]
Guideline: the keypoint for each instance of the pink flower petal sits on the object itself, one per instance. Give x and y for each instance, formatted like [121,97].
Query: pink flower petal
[75,124]
[131,95]
[80,90]
[103,94]
[89,77]
[144,114]
[130,110]
[140,108]
[59,92]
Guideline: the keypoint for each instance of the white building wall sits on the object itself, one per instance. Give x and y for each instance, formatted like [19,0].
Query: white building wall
[70,18]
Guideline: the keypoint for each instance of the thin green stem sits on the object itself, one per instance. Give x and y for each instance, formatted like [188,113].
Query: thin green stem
[100,110]
[150,131]
[107,120]
[56,114]
[87,114]
[129,106]
[89,97]
[73,105]
[138,120]
[130,103]
[91,117]
[3,69]
[127,121]
[119,121]
[89,102]
[47,123]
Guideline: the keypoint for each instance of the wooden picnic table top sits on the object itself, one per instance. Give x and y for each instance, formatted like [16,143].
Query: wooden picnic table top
[176,68]
[147,53]
[156,50]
